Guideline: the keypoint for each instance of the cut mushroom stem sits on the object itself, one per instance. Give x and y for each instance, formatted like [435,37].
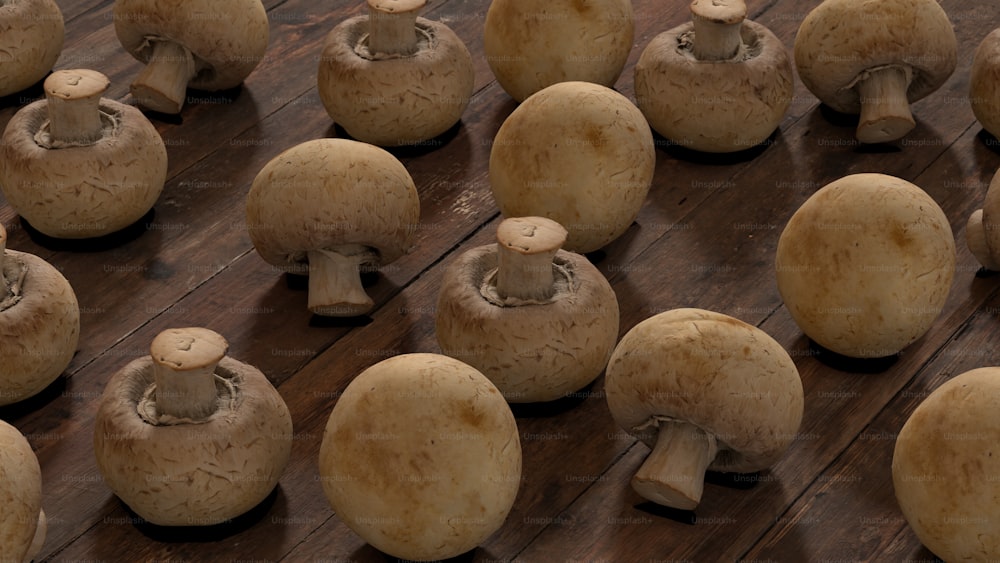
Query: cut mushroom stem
[162,85]
[674,473]
[73,98]
[393,26]
[717,25]
[335,288]
[885,109]
[975,236]
[184,362]
[526,247]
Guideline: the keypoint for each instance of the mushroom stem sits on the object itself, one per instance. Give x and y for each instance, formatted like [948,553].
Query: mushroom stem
[335,288]
[674,473]
[40,531]
[162,85]
[717,25]
[73,99]
[975,237]
[184,362]
[392,26]
[885,109]
[526,247]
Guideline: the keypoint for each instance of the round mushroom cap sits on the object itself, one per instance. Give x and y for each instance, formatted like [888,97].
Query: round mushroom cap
[728,378]
[31,40]
[578,153]
[982,232]
[842,39]
[865,265]
[984,83]
[944,470]
[20,494]
[326,193]
[227,39]
[421,457]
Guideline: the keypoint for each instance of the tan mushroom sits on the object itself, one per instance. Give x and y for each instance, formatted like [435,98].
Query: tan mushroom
[204,44]
[332,207]
[865,265]
[578,153]
[39,324]
[706,392]
[875,58]
[391,78]
[531,44]
[77,165]
[31,39]
[421,457]
[982,232]
[22,520]
[945,467]
[984,83]
[720,83]
[188,436]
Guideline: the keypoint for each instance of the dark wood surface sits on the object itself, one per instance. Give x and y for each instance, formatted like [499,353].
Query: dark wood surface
[705,238]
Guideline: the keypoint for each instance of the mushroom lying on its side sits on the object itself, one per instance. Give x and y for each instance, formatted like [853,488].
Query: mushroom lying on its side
[982,232]
[31,39]
[22,521]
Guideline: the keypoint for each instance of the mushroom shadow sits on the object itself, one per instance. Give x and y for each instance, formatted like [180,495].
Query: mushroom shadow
[989,140]
[36,402]
[841,362]
[93,244]
[30,94]
[676,514]
[411,150]
[369,553]
[738,481]
[985,273]
[680,152]
[556,407]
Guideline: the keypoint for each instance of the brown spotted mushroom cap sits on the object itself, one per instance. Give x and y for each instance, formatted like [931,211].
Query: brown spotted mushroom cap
[984,83]
[22,528]
[31,39]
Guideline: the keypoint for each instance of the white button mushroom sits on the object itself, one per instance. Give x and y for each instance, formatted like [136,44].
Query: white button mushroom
[77,165]
[531,44]
[705,391]
[946,464]
[39,324]
[982,232]
[31,39]
[865,265]
[875,58]
[391,78]
[984,83]
[538,321]
[421,457]
[188,436]
[22,521]
[333,206]
[204,44]
[719,83]
[578,153]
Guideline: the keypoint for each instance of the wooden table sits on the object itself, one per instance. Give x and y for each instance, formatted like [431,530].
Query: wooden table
[705,237]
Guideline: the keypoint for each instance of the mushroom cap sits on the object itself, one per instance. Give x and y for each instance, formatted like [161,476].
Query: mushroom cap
[578,153]
[865,265]
[983,230]
[944,472]
[532,44]
[531,352]
[227,39]
[326,193]
[421,457]
[395,101]
[193,474]
[841,39]
[20,494]
[711,370]
[984,83]
[714,106]
[31,40]
[84,191]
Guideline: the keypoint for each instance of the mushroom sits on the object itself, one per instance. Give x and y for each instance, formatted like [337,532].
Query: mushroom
[39,324]
[984,83]
[719,83]
[531,44]
[204,44]
[705,391]
[77,165]
[22,520]
[982,232]
[333,207]
[188,436]
[865,265]
[390,78]
[875,58]
[944,472]
[538,321]
[421,457]
[31,39]
[578,153]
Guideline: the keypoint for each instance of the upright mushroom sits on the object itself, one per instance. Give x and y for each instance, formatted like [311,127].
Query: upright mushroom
[204,44]
[538,321]
[332,207]
[876,58]
[77,165]
[720,83]
[982,232]
[706,392]
[421,457]
[39,324]
[391,78]
[188,436]
[31,39]
[984,83]
[22,520]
